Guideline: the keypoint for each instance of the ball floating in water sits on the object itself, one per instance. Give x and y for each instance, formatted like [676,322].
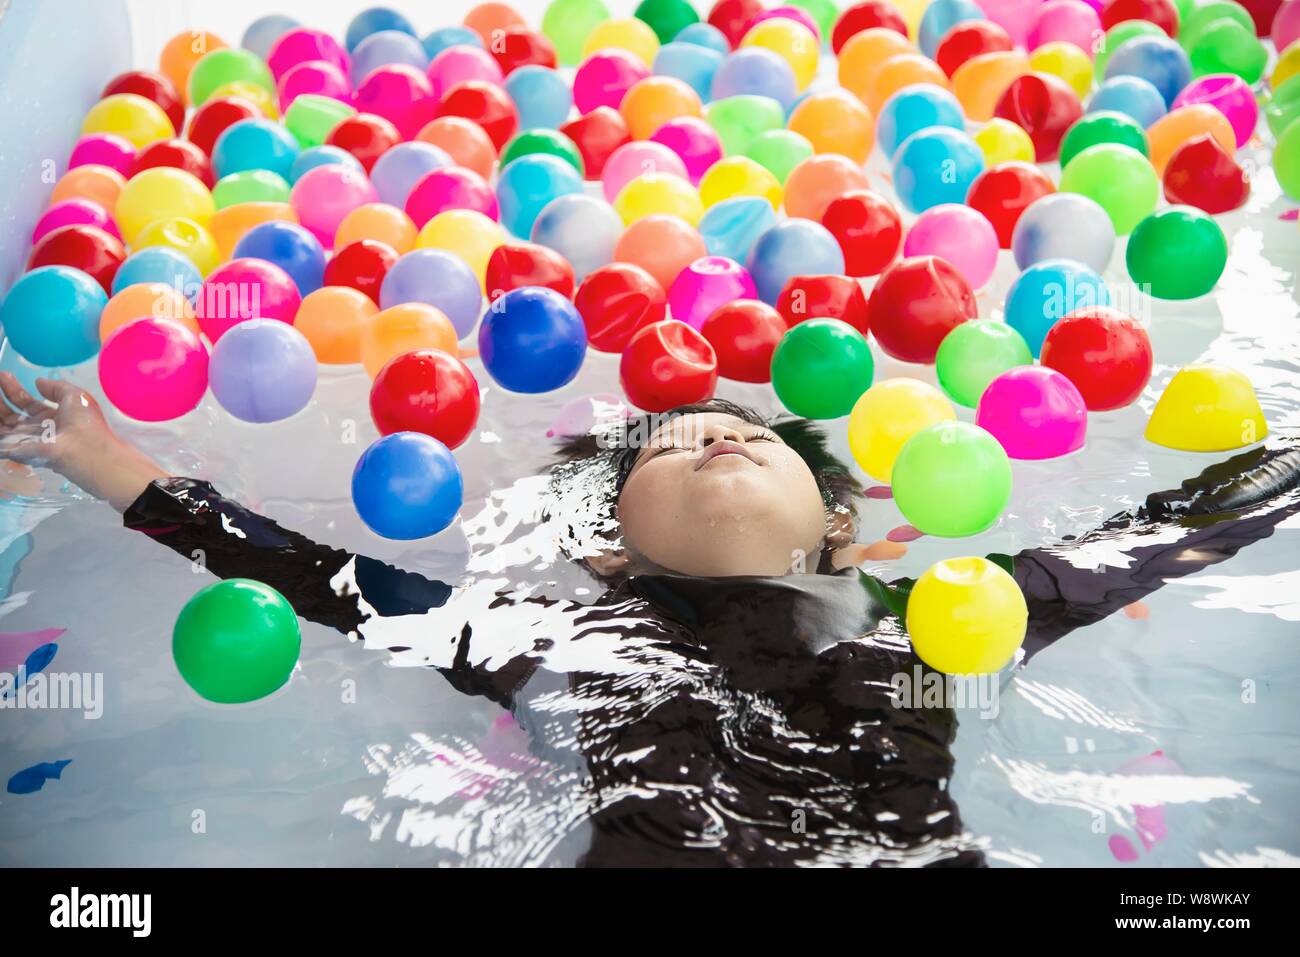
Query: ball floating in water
[263,370]
[974,354]
[161,193]
[667,364]
[706,285]
[1035,412]
[958,234]
[51,316]
[616,302]
[1064,226]
[952,479]
[1048,290]
[916,303]
[427,391]
[936,165]
[966,616]
[236,641]
[532,340]
[886,416]
[1105,353]
[153,369]
[744,334]
[407,486]
[821,368]
[1120,179]
[1207,408]
[1177,253]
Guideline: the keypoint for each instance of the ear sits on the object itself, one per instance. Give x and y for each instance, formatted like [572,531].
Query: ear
[839,530]
[610,563]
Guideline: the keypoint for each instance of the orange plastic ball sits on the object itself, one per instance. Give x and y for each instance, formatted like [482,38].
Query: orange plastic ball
[491,20]
[464,141]
[146,300]
[835,121]
[817,181]
[99,184]
[331,319]
[378,221]
[863,55]
[1178,126]
[661,245]
[182,52]
[654,101]
[980,82]
[903,69]
[406,328]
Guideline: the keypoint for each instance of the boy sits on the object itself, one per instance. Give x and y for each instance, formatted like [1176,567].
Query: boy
[729,698]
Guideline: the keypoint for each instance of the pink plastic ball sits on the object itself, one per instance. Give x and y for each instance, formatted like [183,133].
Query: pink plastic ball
[400,94]
[706,285]
[636,159]
[245,289]
[1014,16]
[789,13]
[1228,94]
[1035,412]
[326,194]
[74,212]
[317,78]
[605,78]
[1070,21]
[1286,25]
[104,149]
[153,369]
[452,187]
[302,46]
[460,63]
[959,234]
[695,143]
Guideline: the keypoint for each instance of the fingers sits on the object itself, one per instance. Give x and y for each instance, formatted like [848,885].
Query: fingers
[58,391]
[15,396]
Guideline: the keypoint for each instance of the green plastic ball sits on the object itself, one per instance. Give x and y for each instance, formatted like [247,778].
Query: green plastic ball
[236,641]
[1104,126]
[952,479]
[1225,46]
[1118,178]
[1202,15]
[250,186]
[1286,161]
[1178,253]
[821,367]
[227,65]
[568,23]
[739,120]
[666,18]
[311,118]
[823,12]
[974,354]
[1283,107]
[779,152]
[550,142]
[1117,36]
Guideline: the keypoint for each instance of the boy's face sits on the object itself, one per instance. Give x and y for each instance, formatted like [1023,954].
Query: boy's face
[712,495]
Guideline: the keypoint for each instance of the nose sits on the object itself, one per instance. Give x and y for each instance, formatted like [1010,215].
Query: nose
[717,433]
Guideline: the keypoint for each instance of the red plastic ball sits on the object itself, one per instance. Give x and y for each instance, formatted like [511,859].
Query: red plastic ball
[824,297]
[864,16]
[916,303]
[400,94]
[668,364]
[734,18]
[513,265]
[1044,106]
[486,104]
[1004,191]
[427,391]
[366,136]
[362,266]
[152,86]
[215,116]
[967,40]
[1203,174]
[519,46]
[616,302]
[868,229]
[744,334]
[597,135]
[92,250]
[1162,13]
[1105,353]
[1262,12]
[178,154]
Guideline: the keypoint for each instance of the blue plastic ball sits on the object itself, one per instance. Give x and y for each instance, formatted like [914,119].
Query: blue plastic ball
[51,316]
[796,247]
[262,370]
[453,36]
[1156,59]
[1048,290]
[581,228]
[704,35]
[1064,226]
[528,184]
[732,227]
[254,144]
[914,108]
[439,279]
[326,155]
[406,486]
[1132,96]
[542,97]
[262,33]
[532,340]
[374,20]
[402,166]
[694,65]
[289,246]
[160,264]
[755,71]
[935,166]
[384,48]
[940,17]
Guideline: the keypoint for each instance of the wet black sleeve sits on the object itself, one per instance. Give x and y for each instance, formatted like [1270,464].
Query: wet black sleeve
[1206,520]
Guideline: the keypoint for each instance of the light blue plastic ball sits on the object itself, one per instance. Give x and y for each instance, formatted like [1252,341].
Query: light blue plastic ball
[1064,226]
[407,486]
[51,316]
[160,264]
[402,166]
[940,17]
[254,144]
[291,247]
[1047,291]
[375,20]
[936,166]
[796,247]
[581,228]
[453,36]
[385,48]
[262,33]
[528,184]
[755,71]
[436,278]
[542,96]
[262,370]
[914,108]
[1156,59]
[704,35]
[325,155]
[1131,95]
[694,65]
[731,227]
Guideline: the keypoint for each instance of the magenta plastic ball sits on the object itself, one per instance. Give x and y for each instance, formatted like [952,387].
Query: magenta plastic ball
[317,78]
[104,149]
[605,78]
[636,159]
[323,196]
[74,212]
[707,284]
[452,187]
[304,45]
[400,94]
[1014,16]
[1228,94]
[959,234]
[460,63]
[1035,412]
[245,289]
[1286,25]
[1069,21]
[153,370]
[695,143]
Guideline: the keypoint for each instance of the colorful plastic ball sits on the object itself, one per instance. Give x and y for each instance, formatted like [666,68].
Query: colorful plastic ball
[1105,353]
[966,616]
[1285,27]
[407,486]
[864,53]
[215,117]
[365,136]
[1163,13]
[230,224]
[326,194]
[104,149]
[289,246]
[731,227]
[704,286]
[1048,290]
[387,48]
[667,364]
[951,479]
[151,86]
[51,316]
[915,108]
[662,245]
[1227,46]
[451,187]
[468,234]
[74,212]
[1157,59]
[251,186]
[1283,107]
[779,152]
[959,234]
[130,116]
[744,335]
[636,159]
[790,40]
[834,121]
[597,135]
[659,194]
[1067,63]
[228,65]
[260,35]
[1180,125]
[1071,21]
[754,71]
[584,230]
[464,141]
[486,104]
[315,78]
[89,249]
[652,102]
[705,35]
[1132,96]
[159,264]
[867,228]
[264,99]
[401,94]
[1034,412]
[899,72]
[254,144]
[1044,107]
[915,304]
[886,416]
[1230,96]
[153,369]
[177,154]
[868,15]
[182,51]
[528,184]
[1002,141]
[732,18]
[738,120]
[1207,408]
[396,173]
[407,327]
[1119,178]
[521,47]
[186,236]
[1003,192]
[968,39]
[436,278]
[312,119]
[375,20]
[821,367]
[331,319]
[160,193]
[99,184]
[666,17]
[1103,127]
[515,265]
[1064,226]
[459,64]
[936,166]
[262,371]
[605,78]
[1177,253]
[428,392]
[568,23]
[245,289]
[532,340]
[541,96]
[940,17]
[628,34]
[1203,174]
[974,354]
[693,141]
[980,82]
[739,176]
[616,301]
[794,247]
[824,297]
[694,65]
[816,182]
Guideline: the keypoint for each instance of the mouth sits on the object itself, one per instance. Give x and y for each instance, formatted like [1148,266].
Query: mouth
[723,448]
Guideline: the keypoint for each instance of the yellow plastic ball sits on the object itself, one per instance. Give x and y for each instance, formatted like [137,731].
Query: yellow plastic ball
[835,121]
[886,416]
[187,237]
[1064,61]
[792,42]
[630,34]
[131,117]
[467,233]
[966,616]
[1001,141]
[656,194]
[739,176]
[1288,65]
[265,101]
[162,193]
[1207,408]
